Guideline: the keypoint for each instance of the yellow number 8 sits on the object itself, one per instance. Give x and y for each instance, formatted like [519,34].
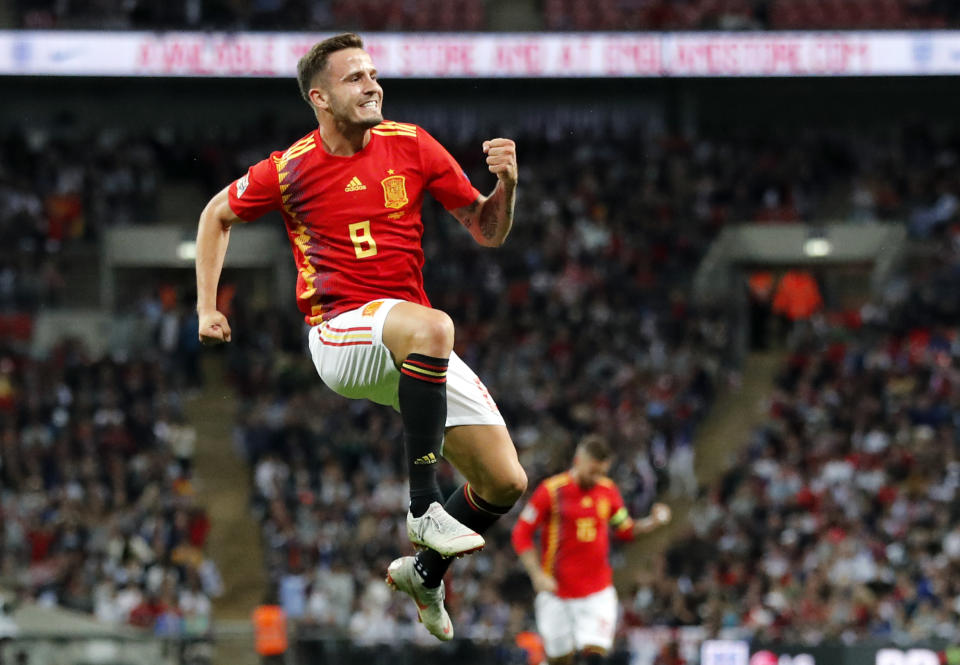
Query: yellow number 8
[363,242]
[586,529]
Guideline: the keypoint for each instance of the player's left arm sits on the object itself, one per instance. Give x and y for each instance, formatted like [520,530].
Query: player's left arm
[626,528]
[490,218]
[660,515]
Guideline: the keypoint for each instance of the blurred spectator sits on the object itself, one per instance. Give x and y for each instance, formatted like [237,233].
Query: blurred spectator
[270,630]
[798,296]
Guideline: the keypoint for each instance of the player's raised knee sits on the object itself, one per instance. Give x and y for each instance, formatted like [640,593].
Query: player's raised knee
[434,335]
[513,486]
[521,482]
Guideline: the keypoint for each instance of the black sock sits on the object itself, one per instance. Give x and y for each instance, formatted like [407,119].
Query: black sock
[470,510]
[423,407]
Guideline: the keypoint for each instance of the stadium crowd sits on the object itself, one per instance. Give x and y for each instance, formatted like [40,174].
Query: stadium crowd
[594,279]
[98,508]
[839,520]
[446,15]
[71,182]
[749,15]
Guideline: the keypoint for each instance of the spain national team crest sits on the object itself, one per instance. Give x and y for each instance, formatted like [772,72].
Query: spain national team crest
[394,191]
[603,509]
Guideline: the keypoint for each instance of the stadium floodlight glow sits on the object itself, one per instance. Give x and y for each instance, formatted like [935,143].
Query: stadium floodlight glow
[817,247]
[187,250]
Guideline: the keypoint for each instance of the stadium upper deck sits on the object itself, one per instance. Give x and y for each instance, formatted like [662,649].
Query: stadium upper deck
[472,15]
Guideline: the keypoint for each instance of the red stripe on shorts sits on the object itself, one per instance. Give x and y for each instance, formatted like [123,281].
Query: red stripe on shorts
[341,330]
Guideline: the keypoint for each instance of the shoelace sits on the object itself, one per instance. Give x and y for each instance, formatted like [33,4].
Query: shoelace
[422,523]
[445,521]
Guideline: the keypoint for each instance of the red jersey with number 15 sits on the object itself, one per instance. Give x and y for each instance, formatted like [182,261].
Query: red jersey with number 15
[354,222]
[576,522]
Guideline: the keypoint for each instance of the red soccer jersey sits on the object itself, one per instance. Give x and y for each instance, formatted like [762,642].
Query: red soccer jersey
[575,542]
[354,222]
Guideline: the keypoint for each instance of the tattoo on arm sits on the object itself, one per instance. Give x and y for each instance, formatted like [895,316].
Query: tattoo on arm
[488,218]
[488,222]
[470,212]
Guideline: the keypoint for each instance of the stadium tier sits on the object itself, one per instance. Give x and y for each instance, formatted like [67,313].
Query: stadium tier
[472,15]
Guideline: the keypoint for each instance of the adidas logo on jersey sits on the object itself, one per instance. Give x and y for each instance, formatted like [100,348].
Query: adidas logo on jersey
[429,458]
[354,185]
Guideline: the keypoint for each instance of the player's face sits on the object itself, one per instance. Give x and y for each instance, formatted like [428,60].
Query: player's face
[587,470]
[353,95]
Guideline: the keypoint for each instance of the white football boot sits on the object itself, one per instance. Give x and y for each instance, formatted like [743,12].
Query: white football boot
[401,576]
[437,530]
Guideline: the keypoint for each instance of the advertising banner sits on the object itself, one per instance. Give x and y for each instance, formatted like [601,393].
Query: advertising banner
[483,55]
[853,655]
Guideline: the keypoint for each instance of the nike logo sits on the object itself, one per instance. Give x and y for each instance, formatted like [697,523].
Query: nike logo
[65,54]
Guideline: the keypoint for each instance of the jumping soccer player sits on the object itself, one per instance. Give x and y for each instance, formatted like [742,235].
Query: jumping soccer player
[350,193]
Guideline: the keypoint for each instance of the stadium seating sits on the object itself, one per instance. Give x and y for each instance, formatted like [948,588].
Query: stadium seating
[460,15]
[98,501]
[839,520]
[593,279]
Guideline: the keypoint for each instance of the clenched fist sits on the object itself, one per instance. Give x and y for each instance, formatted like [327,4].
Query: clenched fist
[214,328]
[661,513]
[502,159]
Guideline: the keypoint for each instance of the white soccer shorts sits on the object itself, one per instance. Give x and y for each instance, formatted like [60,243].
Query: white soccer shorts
[351,358]
[567,625]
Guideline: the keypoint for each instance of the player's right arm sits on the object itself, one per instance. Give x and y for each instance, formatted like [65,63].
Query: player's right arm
[245,199]
[539,578]
[534,514]
[213,236]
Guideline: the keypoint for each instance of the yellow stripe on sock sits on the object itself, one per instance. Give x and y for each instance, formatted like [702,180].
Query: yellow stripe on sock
[420,370]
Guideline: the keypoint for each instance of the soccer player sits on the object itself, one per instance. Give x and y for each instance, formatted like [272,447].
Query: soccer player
[350,193]
[576,605]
